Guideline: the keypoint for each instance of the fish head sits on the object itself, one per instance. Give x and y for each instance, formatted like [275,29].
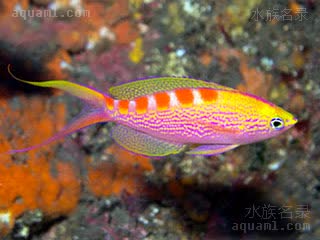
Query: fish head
[272,121]
[282,120]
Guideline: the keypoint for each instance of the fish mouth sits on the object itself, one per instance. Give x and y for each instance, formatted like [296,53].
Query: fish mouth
[292,121]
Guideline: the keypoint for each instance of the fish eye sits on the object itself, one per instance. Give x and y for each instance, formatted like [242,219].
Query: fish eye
[277,123]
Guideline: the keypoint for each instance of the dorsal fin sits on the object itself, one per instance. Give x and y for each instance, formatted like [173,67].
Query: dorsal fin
[149,86]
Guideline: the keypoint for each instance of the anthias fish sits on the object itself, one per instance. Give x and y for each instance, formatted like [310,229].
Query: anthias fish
[167,115]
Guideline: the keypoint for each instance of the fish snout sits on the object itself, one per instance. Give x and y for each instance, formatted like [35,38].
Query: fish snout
[291,122]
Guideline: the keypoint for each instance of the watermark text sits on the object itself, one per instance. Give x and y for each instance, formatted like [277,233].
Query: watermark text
[50,13]
[277,14]
[267,217]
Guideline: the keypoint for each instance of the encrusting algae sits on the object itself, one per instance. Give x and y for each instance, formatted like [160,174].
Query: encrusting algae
[35,182]
[29,184]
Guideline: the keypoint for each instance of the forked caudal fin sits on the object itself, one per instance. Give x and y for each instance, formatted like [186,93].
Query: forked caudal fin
[96,113]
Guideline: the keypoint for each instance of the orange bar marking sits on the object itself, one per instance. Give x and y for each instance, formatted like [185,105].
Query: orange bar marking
[109,102]
[123,106]
[162,101]
[185,97]
[208,95]
[141,104]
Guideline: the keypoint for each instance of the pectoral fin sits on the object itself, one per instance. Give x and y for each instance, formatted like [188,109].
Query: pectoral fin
[143,143]
[208,150]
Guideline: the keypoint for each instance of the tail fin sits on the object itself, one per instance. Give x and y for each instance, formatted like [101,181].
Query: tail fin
[88,116]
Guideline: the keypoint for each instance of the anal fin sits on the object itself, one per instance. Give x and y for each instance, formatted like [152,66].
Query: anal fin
[210,150]
[143,143]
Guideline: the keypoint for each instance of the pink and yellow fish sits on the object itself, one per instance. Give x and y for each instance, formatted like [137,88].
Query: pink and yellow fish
[167,115]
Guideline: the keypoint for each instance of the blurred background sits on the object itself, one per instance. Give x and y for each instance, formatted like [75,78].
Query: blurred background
[86,187]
